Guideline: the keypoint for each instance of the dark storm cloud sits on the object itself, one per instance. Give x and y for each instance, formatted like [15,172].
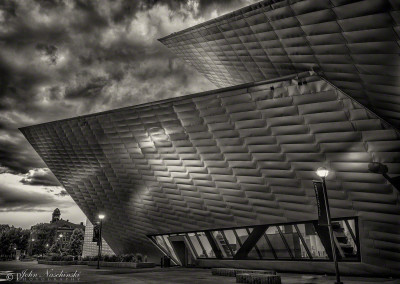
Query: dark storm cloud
[8,7]
[16,155]
[201,8]
[5,170]
[41,176]
[48,50]
[61,59]
[62,193]
[15,199]
[50,4]
[89,89]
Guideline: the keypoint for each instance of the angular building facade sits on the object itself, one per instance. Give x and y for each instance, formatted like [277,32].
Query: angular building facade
[225,177]
[353,44]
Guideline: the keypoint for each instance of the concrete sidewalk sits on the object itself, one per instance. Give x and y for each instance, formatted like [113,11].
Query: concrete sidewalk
[174,275]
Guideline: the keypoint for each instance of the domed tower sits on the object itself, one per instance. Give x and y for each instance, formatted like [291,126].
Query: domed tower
[56,215]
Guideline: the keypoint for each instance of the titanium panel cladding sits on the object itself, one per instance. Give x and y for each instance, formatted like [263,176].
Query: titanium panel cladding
[234,157]
[353,44]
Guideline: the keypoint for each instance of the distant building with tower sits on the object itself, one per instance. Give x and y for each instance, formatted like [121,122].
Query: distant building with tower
[63,228]
[56,215]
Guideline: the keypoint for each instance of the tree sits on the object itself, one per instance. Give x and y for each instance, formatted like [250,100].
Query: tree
[75,244]
[5,244]
[57,247]
[12,238]
[44,235]
[4,228]
[21,239]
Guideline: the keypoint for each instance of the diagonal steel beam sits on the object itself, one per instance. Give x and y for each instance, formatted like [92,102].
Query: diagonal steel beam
[250,242]
[214,246]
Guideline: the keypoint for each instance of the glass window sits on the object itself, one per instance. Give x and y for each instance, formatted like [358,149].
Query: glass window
[242,235]
[294,241]
[206,245]
[312,240]
[232,240]
[277,242]
[171,250]
[161,243]
[160,240]
[303,251]
[344,231]
[254,254]
[223,244]
[196,245]
[263,249]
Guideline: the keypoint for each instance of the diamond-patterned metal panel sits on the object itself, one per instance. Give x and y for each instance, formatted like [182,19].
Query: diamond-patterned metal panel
[234,157]
[354,44]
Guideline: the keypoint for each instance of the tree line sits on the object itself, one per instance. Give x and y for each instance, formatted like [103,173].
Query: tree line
[43,241]
[12,239]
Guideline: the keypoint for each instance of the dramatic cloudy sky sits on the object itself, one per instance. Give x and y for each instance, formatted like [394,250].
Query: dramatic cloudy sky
[61,59]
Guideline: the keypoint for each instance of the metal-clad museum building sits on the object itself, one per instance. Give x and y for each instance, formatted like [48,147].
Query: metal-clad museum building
[224,178]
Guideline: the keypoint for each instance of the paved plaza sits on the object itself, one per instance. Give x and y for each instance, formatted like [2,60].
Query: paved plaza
[89,274]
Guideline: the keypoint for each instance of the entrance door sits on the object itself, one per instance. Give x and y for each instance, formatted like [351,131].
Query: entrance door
[182,251]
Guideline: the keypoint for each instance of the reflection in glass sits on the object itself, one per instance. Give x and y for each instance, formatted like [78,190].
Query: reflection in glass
[314,244]
[208,252]
[242,235]
[232,241]
[161,243]
[264,249]
[294,241]
[350,231]
[196,245]
[171,250]
[254,254]
[222,243]
[346,239]
[277,242]
[300,247]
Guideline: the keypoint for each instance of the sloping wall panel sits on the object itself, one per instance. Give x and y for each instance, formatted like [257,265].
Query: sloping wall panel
[354,44]
[233,157]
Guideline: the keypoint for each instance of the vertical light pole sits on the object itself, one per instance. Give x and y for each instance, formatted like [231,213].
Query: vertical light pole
[32,243]
[101,217]
[323,173]
[15,251]
[61,242]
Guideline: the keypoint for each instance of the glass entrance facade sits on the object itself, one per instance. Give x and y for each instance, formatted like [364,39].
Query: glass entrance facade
[292,241]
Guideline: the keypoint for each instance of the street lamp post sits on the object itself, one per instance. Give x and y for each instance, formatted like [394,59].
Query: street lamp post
[31,245]
[323,173]
[15,251]
[101,217]
[61,242]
